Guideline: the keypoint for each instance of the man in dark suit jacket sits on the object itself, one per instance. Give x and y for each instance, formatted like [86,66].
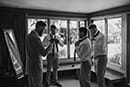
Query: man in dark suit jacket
[35,49]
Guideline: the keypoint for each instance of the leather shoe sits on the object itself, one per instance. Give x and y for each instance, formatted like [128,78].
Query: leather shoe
[58,84]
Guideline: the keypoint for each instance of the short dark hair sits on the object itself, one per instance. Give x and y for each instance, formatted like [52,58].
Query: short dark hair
[53,26]
[40,23]
[83,29]
[92,26]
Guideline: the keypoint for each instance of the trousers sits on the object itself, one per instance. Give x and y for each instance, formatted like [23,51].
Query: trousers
[84,77]
[52,62]
[100,67]
[35,80]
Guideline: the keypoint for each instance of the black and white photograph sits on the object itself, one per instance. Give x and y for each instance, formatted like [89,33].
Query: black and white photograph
[64,43]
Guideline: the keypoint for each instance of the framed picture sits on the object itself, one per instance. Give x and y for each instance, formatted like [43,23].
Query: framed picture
[14,52]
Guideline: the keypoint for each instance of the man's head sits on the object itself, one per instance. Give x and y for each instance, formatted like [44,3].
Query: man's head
[82,32]
[93,29]
[53,29]
[40,27]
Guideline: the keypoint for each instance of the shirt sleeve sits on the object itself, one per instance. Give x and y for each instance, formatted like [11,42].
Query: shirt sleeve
[46,41]
[37,44]
[60,41]
[83,50]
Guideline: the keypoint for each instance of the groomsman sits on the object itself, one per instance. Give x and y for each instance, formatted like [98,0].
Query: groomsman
[83,49]
[99,53]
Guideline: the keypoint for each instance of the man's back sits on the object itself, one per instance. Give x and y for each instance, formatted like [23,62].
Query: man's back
[33,55]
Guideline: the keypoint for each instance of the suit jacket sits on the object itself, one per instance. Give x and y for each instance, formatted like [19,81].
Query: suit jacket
[34,51]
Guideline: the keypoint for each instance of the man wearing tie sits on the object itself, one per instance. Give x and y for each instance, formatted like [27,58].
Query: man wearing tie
[99,53]
[52,57]
[83,50]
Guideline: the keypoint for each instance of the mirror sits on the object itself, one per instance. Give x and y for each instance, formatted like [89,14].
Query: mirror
[14,52]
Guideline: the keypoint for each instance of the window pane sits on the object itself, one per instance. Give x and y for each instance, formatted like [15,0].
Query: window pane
[32,22]
[62,32]
[82,23]
[100,25]
[73,36]
[114,41]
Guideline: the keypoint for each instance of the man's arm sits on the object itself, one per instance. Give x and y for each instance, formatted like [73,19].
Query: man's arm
[39,46]
[60,41]
[83,50]
[46,41]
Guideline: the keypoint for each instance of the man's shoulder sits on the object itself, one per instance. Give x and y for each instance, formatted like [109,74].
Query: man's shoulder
[100,36]
[32,36]
[86,41]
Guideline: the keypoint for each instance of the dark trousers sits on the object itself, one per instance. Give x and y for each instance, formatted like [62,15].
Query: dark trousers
[52,62]
[100,67]
[84,78]
[35,80]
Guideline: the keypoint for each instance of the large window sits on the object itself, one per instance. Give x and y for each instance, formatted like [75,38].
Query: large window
[73,36]
[67,29]
[114,40]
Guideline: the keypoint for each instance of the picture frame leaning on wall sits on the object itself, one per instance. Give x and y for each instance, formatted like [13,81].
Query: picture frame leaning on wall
[14,52]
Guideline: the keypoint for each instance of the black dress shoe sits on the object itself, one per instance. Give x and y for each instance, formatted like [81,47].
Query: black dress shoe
[58,84]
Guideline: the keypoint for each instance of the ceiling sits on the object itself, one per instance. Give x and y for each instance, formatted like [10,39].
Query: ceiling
[81,6]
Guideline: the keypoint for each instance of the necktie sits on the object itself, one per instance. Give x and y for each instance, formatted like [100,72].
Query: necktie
[53,50]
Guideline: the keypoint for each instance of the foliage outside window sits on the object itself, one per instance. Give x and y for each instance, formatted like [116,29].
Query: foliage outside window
[73,36]
[100,25]
[67,30]
[114,40]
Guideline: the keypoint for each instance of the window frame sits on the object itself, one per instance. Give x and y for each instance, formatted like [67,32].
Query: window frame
[59,18]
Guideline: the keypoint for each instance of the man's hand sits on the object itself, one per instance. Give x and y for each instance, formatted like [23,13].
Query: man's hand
[77,43]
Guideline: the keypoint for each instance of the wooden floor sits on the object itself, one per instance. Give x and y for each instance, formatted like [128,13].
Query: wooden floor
[72,82]
[66,78]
